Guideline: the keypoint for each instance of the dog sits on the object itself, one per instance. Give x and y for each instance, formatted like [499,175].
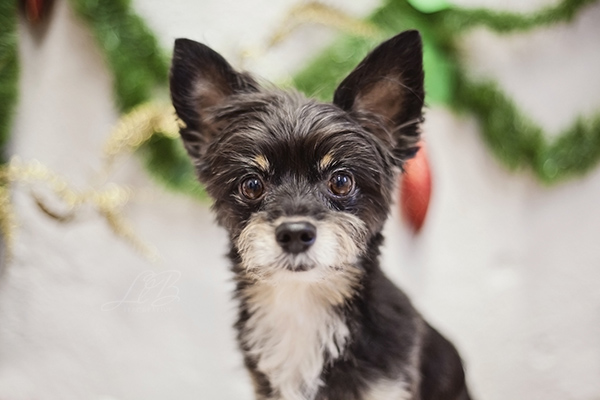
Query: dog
[303,189]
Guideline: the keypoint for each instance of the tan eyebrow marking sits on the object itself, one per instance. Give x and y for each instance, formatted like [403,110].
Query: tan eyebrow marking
[262,162]
[326,161]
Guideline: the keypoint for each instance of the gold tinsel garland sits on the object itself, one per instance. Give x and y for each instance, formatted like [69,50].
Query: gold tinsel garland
[307,13]
[318,13]
[109,199]
[138,126]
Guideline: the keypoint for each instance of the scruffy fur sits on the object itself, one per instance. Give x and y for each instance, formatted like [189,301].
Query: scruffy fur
[320,321]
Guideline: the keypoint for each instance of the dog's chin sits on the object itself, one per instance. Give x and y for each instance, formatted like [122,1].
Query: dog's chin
[298,274]
[299,268]
[292,269]
[298,262]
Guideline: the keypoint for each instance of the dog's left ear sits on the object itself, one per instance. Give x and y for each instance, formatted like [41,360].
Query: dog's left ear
[388,84]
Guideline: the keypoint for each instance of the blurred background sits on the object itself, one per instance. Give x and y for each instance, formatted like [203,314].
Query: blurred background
[114,284]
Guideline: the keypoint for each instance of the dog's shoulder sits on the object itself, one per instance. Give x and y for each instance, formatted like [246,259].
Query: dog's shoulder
[442,373]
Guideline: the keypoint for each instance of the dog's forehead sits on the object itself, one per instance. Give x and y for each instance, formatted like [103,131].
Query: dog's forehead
[287,132]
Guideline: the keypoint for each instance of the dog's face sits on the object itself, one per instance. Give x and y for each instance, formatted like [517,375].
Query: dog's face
[300,185]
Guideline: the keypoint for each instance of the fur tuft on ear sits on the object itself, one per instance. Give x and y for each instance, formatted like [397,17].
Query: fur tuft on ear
[202,80]
[388,84]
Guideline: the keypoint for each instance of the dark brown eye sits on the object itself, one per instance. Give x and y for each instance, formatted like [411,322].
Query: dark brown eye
[252,188]
[341,183]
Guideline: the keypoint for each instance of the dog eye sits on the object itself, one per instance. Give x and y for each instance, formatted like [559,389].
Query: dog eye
[252,188]
[341,183]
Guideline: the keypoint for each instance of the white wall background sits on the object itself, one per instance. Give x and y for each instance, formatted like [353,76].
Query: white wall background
[507,268]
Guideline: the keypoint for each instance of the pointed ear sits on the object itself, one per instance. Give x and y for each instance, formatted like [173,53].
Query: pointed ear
[388,83]
[202,80]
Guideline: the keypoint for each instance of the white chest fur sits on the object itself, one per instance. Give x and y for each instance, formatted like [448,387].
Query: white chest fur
[386,389]
[293,331]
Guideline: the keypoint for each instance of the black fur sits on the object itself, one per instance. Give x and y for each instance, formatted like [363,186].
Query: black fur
[370,130]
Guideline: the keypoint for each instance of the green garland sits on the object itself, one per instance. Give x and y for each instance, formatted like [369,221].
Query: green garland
[139,67]
[519,143]
[9,69]
[131,50]
[458,19]
[511,136]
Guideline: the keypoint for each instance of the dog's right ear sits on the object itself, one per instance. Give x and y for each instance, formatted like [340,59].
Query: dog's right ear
[388,84]
[202,80]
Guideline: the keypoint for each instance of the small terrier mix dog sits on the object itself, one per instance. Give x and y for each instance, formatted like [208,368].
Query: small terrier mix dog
[303,189]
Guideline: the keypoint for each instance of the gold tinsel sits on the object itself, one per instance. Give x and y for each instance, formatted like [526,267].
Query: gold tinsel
[312,12]
[7,219]
[318,13]
[108,200]
[138,126]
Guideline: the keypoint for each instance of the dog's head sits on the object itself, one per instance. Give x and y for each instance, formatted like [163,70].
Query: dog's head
[300,185]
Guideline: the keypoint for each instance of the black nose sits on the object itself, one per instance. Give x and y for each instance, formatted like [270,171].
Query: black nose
[295,237]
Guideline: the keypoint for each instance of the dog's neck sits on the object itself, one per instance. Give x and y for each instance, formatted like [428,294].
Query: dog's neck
[293,326]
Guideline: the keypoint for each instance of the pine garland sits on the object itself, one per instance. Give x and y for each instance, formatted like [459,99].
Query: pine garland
[518,142]
[458,19]
[9,69]
[166,160]
[511,136]
[129,46]
[139,67]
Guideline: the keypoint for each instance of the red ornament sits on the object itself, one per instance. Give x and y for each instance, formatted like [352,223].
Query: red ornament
[415,189]
[36,10]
